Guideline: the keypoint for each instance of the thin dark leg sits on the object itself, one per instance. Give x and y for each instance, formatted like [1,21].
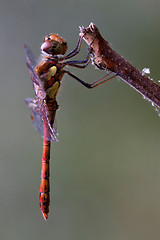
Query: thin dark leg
[94,84]
[75,51]
[75,63]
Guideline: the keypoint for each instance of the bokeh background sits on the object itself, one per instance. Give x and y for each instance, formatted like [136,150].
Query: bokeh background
[105,170]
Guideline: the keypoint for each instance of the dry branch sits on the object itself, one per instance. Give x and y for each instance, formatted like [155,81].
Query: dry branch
[104,57]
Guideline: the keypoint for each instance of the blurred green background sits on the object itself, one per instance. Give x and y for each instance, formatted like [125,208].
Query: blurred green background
[105,170]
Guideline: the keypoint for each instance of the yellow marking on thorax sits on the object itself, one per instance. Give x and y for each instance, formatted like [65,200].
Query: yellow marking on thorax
[52,91]
[51,72]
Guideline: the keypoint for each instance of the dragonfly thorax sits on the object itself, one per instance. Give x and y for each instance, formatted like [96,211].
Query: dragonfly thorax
[54,45]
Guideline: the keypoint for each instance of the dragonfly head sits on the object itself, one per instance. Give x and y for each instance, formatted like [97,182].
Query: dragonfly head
[54,45]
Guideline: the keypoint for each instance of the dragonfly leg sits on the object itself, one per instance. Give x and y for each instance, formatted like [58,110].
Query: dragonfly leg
[77,49]
[94,84]
[76,63]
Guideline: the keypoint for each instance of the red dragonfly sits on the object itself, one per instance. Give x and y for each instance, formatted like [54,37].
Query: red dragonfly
[46,79]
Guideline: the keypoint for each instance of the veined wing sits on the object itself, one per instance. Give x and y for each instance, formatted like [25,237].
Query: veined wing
[38,117]
[37,83]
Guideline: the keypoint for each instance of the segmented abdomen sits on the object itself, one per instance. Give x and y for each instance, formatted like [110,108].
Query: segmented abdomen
[44,198]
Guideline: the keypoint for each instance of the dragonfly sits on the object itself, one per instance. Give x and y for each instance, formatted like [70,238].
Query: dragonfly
[46,79]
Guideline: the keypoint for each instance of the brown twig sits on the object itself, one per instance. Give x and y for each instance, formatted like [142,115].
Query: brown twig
[103,57]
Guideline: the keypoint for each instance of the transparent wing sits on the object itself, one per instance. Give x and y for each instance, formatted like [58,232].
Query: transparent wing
[30,56]
[38,116]
[37,83]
